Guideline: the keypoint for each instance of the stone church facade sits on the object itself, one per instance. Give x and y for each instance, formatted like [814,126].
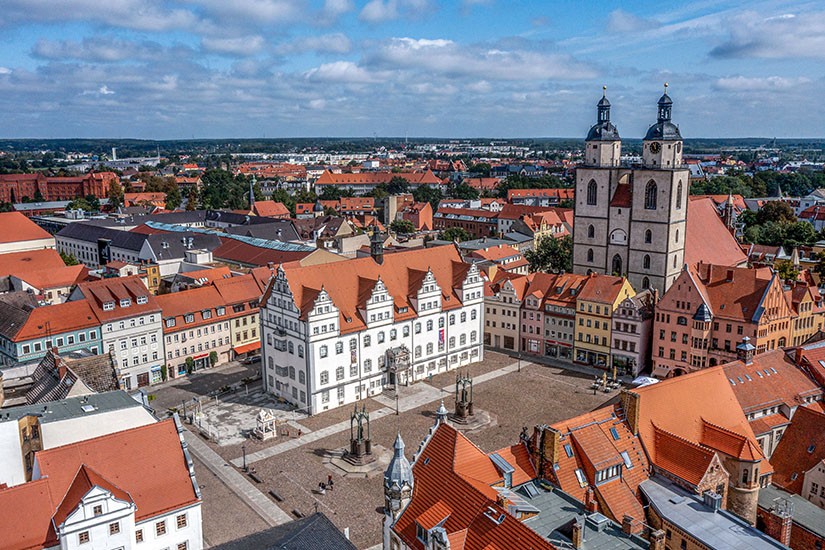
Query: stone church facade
[630,220]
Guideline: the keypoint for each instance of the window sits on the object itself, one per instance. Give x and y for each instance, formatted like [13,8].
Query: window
[678,202]
[393,334]
[646,261]
[463,316]
[160,528]
[83,537]
[97,510]
[139,535]
[590,255]
[322,351]
[430,324]
[324,377]
[568,450]
[452,320]
[614,434]
[183,545]
[591,193]
[648,236]
[381,337]
[367,341]
[651,190]
[339,348]
[339,373]
[591,232]
[473,315]
[114,528]
[581,478]
[300,350]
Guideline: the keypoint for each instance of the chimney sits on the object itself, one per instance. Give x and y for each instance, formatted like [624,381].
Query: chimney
[778,521]
[627,525]
[578,532]
[591,505]
[657,540]
[712,500]
[797,355]
[745,350]
[631,403]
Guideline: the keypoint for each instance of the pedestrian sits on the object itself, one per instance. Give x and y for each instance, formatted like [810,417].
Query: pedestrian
[300,433]
[329,479]
[322,488]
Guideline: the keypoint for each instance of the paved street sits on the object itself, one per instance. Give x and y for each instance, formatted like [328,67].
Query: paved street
[175,392]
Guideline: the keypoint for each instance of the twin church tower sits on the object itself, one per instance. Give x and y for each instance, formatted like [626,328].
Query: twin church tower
[630,220]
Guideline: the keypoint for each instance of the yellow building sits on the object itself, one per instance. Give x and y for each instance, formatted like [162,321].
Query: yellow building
[807,304]
[242,295]
[595,304]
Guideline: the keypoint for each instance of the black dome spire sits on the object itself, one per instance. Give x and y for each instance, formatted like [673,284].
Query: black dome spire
[603,130]
[664,128]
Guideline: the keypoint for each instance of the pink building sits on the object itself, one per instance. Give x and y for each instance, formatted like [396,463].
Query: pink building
[632,326]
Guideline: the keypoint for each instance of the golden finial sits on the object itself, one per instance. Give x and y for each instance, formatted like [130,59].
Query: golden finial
[604,91]
[665,87]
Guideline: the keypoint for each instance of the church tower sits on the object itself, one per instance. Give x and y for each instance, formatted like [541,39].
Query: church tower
[630,220]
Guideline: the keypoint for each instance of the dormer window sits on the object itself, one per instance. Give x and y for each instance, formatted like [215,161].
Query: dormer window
[189,318]
[421,533]
[142,299]
[108,306]
[170,322]
[125,302]
[221,311]
[207,314]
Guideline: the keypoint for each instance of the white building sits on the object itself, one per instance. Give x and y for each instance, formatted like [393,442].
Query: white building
[336,333]
[100,494]
[130,326]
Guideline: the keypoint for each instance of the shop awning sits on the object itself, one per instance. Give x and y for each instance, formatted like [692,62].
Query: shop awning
[247,347]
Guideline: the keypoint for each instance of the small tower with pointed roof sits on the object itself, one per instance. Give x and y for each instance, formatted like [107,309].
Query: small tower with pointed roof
[663,143]
[603,146]
[398,481]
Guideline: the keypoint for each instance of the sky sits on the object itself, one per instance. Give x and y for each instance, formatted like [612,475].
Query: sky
[174,69]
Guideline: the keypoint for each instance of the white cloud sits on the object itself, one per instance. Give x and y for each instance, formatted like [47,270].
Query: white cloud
[778,37]
[147,15]
[340,71]
[240,46]
[379,11]
[104,90]
[746,84]
[269,11]
[333,9]
[620,22]
[100,49]
[447,58]
[5,70]
[325,43]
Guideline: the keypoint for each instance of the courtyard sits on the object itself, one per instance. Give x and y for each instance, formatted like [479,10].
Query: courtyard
[293,466]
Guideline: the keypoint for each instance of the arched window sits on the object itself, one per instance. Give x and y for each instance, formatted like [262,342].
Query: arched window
[679,196]
[646,262]
[589,254]
[648,236]
[674,261]
[591,231]
[617,265]
[645,283]
[591,193]
[677,235]
[650,195]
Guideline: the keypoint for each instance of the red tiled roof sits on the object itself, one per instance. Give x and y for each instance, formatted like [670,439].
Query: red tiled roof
[85,480]
[211,274]
[232,250]
[30,260]
[349,284]
[733,293]
[157,481]
[442,485]
[176,305]
[105,290]
[375,178]
[518,457]
[771,378]
[30,525]
[562,194]
[622,197]
[705,226]
[680,457]
[791,455]
[58,318]
[601,288]
[270,209]
[59,277]
[238,289]
[17,227]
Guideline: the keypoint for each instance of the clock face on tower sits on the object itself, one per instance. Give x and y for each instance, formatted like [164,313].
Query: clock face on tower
[655,147]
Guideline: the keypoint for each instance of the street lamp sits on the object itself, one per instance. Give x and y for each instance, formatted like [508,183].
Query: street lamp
[243,449]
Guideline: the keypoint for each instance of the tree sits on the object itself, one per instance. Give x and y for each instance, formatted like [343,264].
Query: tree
[775,211]
[799,233]
[213,358]
[192,200]
[819,268]
[455,234]
[68,259]
[190,365]
[115,194]
[173,198]
[786,270]
[425,193]
[94,202]
[397,185]
[567,203]
[403,226]
[552,255]
[334,193]
[465,192]
[6,207]
[80,203]
[480,169]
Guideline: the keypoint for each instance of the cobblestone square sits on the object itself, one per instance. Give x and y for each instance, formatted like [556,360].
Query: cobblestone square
[294,467]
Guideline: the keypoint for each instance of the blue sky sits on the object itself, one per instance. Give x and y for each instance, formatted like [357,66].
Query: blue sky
[469,68]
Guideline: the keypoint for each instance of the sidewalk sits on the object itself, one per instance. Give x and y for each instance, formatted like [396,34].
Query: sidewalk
[173,393]
[558,363]
[242,487]
[412,397]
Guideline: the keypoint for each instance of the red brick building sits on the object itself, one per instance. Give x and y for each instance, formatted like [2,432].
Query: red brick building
[16,187]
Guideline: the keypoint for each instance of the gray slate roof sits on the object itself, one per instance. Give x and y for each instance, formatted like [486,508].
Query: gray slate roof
[805,513]
[315,532]
[281,230]
[715,529]
[73,407]
[174,243]
[84,231]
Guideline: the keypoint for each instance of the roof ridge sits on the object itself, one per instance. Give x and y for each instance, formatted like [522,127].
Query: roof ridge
[682,439]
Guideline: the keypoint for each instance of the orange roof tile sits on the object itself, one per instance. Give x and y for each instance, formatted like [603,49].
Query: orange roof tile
[704,226]
[58,277]
[85,480]
[680,457]
[57,319]
[518,457]
[30,526]
[17,227]
[158,481]
[30,260]
[791,456]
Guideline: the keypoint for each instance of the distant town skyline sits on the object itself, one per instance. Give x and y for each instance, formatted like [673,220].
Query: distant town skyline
[177,69]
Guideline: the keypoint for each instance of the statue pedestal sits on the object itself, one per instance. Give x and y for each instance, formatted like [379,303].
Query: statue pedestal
[360,452]
[341,461]
[481,419]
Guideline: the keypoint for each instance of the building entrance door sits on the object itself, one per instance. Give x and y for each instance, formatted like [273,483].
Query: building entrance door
[143,379]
